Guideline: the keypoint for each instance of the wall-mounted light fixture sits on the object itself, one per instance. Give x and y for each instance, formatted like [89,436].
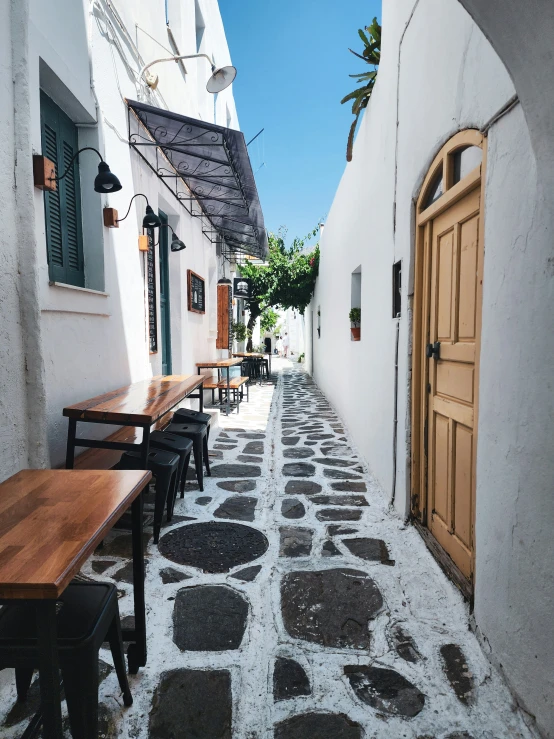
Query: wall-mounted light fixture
[221,77]
[104,182]
[150,220]
[176,243]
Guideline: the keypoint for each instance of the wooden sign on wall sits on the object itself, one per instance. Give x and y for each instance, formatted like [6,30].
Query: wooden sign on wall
[224,317]
[196,292]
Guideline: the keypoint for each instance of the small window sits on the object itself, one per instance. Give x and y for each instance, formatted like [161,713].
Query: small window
[435,190]
[464,161]
[396,289]
[62,208]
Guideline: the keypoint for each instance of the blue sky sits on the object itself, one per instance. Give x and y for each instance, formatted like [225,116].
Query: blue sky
[293,65]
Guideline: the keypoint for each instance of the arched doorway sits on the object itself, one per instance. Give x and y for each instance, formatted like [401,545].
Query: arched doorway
[446,347]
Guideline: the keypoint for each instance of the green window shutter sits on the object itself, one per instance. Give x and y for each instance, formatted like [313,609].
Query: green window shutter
[64,232]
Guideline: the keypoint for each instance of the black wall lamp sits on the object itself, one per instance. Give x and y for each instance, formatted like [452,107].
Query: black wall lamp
[176,243]
[150,220]
[104,182]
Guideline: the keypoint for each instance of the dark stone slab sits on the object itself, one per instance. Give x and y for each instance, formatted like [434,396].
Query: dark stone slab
[293,508]
[223,447]
[318,726]
[289,680]
[302,487]
[298,469]
[213,454]
[236,470]
[101,565]
[330,607]
[171,575]
[336,450]
[290,440]
[374,550]
[329,550]
[404,645]
[203,500]
[254,447]
[192,703]
[223,435]
[121,546]
[213,546]
[341,474]
[337,530]
[457,671]
[125,573]
[209,618]
[351,500]
[319,437]
[240,507]
[249,458]
[237,486]
[248,574]
[295,542]
[338,514]
[298,453]
[329,462]
[385,690]
[349,487]
[252,435]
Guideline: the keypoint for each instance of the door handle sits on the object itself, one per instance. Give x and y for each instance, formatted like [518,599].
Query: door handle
[433,351]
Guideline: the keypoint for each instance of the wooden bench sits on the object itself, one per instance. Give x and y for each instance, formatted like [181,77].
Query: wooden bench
[235,385]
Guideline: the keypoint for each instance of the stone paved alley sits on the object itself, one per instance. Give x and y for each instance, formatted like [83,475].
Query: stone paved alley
[287,601]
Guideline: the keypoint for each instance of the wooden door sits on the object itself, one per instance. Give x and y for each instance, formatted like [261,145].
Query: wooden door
[447,319]
[452,378]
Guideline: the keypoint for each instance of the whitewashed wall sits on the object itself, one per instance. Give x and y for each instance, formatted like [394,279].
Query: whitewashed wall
[86,56]
[439,75]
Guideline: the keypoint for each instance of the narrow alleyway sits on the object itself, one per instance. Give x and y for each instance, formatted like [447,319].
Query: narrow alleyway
[286,601]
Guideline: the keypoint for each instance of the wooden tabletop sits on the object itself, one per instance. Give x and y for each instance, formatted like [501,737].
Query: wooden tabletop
[257,355]
[142,402]
[52,520]
[218,364]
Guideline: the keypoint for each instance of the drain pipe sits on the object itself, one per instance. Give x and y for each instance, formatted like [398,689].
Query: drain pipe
[395,422]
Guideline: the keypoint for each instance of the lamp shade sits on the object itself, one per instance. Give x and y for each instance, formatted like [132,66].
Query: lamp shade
[150,220]
[221,78]
[176,243]
[106,181]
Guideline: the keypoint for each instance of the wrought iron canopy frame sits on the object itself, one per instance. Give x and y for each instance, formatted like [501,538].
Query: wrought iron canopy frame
[206,164]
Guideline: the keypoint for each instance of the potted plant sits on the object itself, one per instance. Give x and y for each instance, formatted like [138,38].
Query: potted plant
[355,316]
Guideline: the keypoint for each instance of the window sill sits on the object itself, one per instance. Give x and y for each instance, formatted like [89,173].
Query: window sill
[87,290]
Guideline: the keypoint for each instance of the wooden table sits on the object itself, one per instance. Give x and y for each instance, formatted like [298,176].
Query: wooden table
[141,404]
[220,365]
[50,522]
[255,355]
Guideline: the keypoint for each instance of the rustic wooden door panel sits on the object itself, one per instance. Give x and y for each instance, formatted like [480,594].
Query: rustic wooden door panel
[454,291]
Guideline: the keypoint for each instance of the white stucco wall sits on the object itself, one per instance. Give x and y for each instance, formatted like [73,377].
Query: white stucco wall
[97,341]
[448,78]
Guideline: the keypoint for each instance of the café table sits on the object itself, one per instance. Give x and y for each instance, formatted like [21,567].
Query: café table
[255,355]
[141,405]
[50,523]
[222,365]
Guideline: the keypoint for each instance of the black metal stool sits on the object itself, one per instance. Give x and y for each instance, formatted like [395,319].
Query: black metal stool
[88,616]
[165,468]
[198,432]
[186,415]
[178,445]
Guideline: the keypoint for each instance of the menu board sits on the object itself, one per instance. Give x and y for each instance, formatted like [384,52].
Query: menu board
[196,292]
[151,284]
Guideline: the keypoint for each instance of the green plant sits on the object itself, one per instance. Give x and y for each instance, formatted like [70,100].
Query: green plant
[355,316]
[361,95]
[300,358]
[240,332]
[269,320]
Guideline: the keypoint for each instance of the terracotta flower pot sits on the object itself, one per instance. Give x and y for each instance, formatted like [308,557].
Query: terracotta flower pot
[355,333]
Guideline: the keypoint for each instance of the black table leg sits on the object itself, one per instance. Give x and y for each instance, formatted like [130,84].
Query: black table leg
[137,652]
[70,452]
[145,446]
[201,399]
[228,392]
[49,669]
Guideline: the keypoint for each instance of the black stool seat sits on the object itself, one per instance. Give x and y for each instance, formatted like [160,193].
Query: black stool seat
[178,445]
[186,415]
[198,433]
[87,616]
[164,466]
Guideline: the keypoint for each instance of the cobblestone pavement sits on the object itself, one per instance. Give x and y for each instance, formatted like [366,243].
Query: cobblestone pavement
[285,601]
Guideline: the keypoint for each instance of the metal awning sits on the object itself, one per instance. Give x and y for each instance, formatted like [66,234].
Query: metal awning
[213,163]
